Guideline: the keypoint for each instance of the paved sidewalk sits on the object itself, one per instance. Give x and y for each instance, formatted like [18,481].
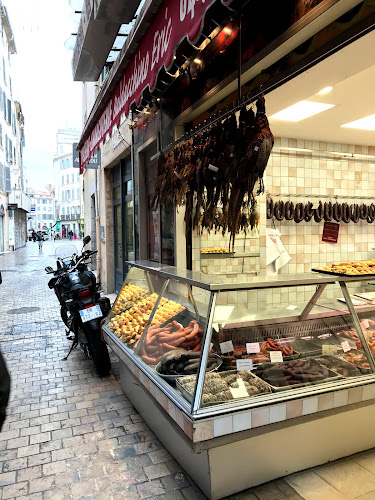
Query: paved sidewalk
[71,435]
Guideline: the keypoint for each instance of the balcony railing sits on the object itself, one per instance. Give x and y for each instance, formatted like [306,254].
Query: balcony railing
[61,218]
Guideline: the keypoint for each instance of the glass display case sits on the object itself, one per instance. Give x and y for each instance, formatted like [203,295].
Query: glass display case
[214,345]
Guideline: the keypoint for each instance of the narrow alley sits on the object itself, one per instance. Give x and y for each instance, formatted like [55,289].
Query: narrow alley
[70,434]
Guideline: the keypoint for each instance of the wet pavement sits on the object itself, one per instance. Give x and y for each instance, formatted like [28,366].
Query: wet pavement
[70,434]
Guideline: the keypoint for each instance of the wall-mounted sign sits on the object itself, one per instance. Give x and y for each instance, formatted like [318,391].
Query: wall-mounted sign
[330,232]
[12,206]
[95,160]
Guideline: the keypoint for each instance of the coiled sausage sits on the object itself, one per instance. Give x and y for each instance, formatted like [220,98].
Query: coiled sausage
[318,213]
[337,212]
[371,213]
[363,211]
[309,211]
[299,213]
[354,212]
[279,211]
[269,208]
[328,211]
[345,213]
[289,210]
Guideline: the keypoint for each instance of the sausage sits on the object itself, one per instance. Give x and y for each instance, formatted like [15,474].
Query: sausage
[354,212]
[299,213]
[337,212]
[269,208]
[289,210]
[328,211]
[309,211]
[318,213]
[371,213]
[193,334]
[345,213]
[279,211]
[363,211]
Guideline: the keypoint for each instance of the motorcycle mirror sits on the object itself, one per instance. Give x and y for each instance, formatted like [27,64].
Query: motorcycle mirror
[86,240]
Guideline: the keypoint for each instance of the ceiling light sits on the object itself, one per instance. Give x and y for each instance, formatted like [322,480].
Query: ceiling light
[366,123]
[325,91]
[197,61]
[301,110]
[227,30]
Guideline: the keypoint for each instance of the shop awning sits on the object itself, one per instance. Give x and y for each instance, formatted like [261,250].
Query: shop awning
[151,47]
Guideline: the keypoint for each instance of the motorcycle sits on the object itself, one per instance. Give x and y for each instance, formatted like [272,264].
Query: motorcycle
[82,307]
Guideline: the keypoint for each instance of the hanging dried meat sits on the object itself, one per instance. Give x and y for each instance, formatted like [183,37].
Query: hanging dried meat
[215,173]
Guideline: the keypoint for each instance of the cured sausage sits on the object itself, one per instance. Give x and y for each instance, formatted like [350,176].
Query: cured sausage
[354,212]
[299,213]
[318,213]
[279,211]
[289,210]
[345,213]
[363,211]
[269,208]
[328,211]
[371,213]
[337,212]
[309,211]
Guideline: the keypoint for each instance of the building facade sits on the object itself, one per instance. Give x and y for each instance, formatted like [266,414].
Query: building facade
[14,202]
[68,185]
[43,210]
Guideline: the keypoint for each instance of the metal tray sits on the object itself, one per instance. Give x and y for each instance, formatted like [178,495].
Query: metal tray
[341,274]
[355,351]
[332,376]
[189,397]
[350,366]
[172,378]
[301,347]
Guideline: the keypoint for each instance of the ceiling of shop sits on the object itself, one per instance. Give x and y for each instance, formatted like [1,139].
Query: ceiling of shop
[352,74]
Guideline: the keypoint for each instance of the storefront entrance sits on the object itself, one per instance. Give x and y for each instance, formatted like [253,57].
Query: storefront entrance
[122,219]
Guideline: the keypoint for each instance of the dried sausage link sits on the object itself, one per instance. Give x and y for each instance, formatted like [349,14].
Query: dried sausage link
[354,212]
[289,210]
[363,211]
[269,208]
[337,212]
[371,213]
[309,211]
[279,211]
[345,213]
[318,213]
[328,211]
[299,213]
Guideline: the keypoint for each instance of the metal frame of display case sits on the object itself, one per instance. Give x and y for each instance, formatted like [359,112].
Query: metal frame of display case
[215,285]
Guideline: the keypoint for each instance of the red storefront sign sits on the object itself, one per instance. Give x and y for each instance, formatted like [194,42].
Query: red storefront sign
[330,232]
[175,20]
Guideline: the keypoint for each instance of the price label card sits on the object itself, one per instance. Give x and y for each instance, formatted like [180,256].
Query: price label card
[276,356]
[240,391]
[244,364]
[329,350]
[365,324]
[226,347]
[345,346]
[291,307]
[252,347]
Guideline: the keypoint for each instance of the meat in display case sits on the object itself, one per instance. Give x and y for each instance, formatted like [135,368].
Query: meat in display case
[213,343]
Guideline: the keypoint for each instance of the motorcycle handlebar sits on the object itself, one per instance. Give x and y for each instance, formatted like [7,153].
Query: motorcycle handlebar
[68,266]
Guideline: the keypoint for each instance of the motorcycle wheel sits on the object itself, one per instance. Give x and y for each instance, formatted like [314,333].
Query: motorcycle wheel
[99,354]
[65,316]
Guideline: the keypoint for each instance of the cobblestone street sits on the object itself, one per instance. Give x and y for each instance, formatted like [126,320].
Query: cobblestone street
[70,434]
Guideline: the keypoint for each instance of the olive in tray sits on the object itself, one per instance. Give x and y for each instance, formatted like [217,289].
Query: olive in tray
[289,373]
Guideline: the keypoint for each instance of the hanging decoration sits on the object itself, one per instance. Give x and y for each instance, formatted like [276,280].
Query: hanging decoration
[214,174]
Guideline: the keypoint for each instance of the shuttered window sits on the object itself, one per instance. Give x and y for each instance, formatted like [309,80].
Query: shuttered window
[8,187]
[1,177]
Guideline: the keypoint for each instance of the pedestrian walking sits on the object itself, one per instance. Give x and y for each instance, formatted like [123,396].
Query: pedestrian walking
[33,235]
[39,239]
[70,234]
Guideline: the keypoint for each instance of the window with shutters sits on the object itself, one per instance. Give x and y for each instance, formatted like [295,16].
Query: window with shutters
[62,180]
[63,196]
[1,177]
[1,136]
[9,113]
[8,187]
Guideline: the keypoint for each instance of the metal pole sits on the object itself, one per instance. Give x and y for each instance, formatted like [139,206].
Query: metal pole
[357,324]
[318,292]
[201,373]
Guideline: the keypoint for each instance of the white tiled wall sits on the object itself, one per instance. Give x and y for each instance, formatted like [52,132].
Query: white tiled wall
[302,174]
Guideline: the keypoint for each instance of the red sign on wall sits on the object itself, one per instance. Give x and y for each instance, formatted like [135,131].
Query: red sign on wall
[175,20]
[330,232]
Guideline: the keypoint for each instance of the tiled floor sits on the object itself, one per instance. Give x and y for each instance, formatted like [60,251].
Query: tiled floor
[71,435]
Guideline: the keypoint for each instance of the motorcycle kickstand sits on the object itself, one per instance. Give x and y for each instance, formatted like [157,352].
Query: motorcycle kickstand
[73,346]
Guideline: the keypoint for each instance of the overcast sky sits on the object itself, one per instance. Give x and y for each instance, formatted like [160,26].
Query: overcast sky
[42,80]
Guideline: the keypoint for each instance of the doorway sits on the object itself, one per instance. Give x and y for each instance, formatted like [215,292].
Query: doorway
[123,213]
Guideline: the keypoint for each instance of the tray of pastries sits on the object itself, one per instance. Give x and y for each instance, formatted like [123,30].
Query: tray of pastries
[355,268]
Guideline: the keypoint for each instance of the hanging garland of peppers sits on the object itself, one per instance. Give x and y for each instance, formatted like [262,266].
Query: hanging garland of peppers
[214,174]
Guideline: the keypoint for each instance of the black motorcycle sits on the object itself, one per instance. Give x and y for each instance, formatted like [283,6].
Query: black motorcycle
[82,307]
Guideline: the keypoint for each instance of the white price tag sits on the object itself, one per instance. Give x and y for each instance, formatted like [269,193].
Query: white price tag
[329,350]
[276,356]
[244,364]
[365,324]
[252,347]
[226,346]
[239,392]
[291,307]
[90,313]
[345,346]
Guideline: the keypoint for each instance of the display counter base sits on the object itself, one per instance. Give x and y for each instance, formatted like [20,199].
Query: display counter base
[229,464]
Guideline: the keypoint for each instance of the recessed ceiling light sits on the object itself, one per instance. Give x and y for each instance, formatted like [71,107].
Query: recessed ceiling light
[325,91]
[366,123]
[301,110]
